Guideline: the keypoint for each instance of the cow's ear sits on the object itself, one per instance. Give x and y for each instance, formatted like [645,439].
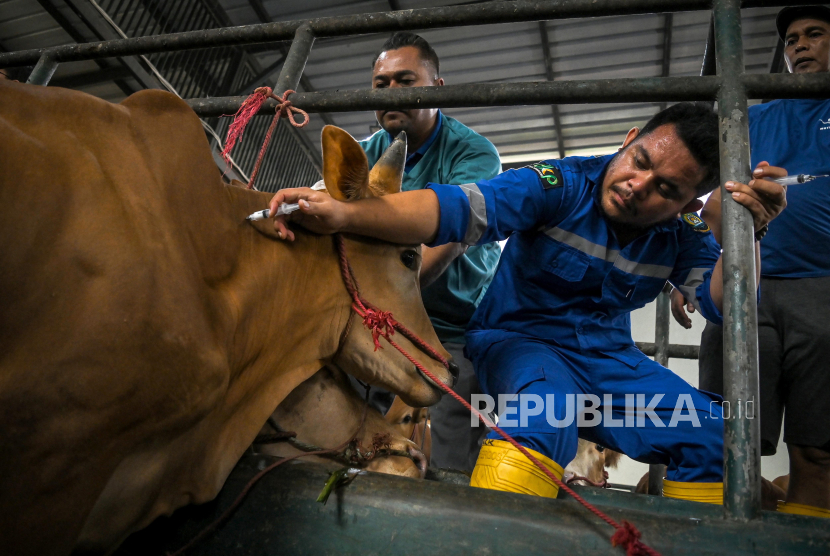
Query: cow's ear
[345,167]
[387,173]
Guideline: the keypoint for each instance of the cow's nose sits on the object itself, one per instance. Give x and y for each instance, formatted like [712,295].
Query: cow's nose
[454,372]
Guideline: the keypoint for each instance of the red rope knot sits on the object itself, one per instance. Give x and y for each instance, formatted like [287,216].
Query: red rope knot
[288,110]
[628,537]
[250,108]
[380,323]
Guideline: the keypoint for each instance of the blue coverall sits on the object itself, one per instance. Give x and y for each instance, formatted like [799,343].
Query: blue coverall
[556,318]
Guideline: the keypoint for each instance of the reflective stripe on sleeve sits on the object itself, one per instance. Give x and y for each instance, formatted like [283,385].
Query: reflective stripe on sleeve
[689,287]
[478,213]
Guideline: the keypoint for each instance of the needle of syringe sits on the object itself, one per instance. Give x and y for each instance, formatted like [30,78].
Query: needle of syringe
[285,208]
[796,179]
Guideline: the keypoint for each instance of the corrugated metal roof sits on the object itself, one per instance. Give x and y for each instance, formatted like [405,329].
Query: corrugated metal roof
[608,47]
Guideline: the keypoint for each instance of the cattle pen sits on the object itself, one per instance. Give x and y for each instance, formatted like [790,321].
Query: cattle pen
[442,518]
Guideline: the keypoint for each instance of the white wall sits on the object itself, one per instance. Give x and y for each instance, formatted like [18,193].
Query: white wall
[642,325]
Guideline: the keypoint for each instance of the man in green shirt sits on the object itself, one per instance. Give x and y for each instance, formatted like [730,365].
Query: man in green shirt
[454,277]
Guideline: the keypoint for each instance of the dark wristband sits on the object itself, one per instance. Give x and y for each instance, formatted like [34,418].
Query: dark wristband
[762,232]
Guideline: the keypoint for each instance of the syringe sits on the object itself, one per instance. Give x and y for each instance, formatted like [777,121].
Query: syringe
[797,179]
[285,208]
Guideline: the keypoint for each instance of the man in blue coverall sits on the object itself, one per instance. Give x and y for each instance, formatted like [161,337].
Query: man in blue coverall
[794,349]
[454,277]
[590,240]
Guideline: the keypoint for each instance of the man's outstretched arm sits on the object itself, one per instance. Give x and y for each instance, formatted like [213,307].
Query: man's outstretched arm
[409,218]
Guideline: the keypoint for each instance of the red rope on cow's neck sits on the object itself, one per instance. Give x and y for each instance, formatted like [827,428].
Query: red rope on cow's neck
[249,108]
[381,323]
[626,535]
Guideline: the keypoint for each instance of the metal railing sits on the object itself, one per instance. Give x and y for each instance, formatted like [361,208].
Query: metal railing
[209,72]
[730,87]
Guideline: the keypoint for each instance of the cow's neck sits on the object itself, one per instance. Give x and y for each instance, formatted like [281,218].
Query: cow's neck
[289,300]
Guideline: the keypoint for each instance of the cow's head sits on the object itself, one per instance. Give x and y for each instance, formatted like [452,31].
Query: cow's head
[325,410]
[387,275]
[590,462]
[412,423]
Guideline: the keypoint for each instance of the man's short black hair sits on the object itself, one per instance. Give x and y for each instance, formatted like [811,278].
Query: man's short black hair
[697,126]
[787,15]
[402,39]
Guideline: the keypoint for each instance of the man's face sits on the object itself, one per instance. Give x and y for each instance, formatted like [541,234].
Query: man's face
[807,46]
[651,180]
[404,67]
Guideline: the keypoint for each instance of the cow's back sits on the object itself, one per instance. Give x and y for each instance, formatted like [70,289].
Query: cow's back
[111,242]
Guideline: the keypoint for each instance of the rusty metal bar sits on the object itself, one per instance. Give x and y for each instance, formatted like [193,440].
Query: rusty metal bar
[381,22]
[662,325]
[557,119]
[295,60]
[647,89]
[289,78]
[676,351]
[485,94]
[742,431]
[44,70]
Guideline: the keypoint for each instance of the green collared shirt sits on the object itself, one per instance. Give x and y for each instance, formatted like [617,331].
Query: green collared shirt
[458,155]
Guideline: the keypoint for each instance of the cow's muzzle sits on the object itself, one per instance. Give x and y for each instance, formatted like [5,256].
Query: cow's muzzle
[453,368]
[454,372]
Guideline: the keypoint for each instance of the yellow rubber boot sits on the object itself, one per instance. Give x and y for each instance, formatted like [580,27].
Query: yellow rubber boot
[710,493]
[500,466]
[802,509]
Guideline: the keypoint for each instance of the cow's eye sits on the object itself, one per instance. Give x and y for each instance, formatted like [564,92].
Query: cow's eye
[406,420]
[409,258]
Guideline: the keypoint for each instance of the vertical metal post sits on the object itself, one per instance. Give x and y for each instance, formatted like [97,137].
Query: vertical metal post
[44,69]
[742,455]
[295,60]
[661,343]
[289,78]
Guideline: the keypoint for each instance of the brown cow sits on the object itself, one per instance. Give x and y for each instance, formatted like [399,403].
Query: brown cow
[411,423]
[147,331]
[590,462]
[325,411]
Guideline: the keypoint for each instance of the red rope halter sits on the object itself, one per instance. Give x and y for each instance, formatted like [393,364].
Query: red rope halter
[249,108]
[381,323]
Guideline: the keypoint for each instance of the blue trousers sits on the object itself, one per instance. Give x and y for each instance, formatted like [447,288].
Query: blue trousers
[682,429]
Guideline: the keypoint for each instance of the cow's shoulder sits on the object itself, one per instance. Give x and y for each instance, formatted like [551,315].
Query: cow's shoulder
[155,100]
[155,108]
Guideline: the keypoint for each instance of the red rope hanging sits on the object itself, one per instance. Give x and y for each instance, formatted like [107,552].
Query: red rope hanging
[250,108]
[626,534]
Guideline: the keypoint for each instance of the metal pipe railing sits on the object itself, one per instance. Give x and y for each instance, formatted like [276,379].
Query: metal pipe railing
[662,323]
[44,70]
[295,60]
[381,22]
[646,89]
[742,435]
[676,351]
